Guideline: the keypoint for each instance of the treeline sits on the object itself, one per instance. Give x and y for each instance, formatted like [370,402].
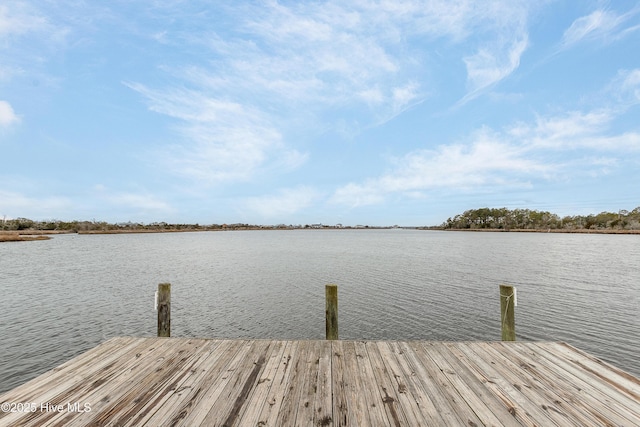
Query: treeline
[527,219]
[23,224]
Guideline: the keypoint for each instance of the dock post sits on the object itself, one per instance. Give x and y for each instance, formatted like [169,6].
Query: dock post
[164,310]
[507,312]
[331,312]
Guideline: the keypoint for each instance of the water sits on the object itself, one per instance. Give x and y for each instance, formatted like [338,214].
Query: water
[63,296]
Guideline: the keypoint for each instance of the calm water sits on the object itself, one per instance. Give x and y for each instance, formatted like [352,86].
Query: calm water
[63,296]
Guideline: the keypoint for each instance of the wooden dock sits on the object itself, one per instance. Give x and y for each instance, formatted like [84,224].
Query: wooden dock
[201,382]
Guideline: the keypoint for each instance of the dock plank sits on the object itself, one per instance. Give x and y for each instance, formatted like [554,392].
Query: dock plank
[179,398]
[493,384]
[487,408]
[460,413]
[323,405]
[387,394]
[211,389]
[429,404]
[210,382]
[107,352]
[523,407]
[149,380]
[351,405]
[85,378]
[256,401]
[135,376]
[305,414]
[294,388]
[279,387]
[400,376]
[606,401]
[243,378]
[532,383]
[617,379]
[374,408]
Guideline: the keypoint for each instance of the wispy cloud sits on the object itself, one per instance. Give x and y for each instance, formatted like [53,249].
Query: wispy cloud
[492,64]
[597,23]
[28,40]
[508,158]
[283,67]
[625,88]
[7,115]
[285,202]
[576,131]
[486,161]
[136,200]
[222,140]
[19,19]
[310,56]
[601,24]
[498,54]
[11,201]
[561,132]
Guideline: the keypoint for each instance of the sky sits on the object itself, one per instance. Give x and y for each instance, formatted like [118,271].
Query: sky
[298,112]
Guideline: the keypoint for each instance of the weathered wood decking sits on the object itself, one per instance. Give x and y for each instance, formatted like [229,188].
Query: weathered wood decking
[192,382]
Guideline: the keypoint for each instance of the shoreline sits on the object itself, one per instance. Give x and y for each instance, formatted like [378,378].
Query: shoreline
[524,230]
[34,235]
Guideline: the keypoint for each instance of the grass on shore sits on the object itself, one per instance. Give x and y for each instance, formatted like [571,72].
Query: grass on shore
[14,236]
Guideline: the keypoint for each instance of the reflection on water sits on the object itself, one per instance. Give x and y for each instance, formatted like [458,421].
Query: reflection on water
[66,295]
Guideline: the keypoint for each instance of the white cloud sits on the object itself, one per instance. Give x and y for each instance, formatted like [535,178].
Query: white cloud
[311,56]
[7,73]
[404,96]
[563,132]
[352,44]
[223,140]
[285,202]
[597,23]
[291,66]
[604,25]
[7,115]
[22,205]
[355,195]
[28,39]
[140,200]
[492,64]
[502,160]
[485,162]
[631,82]
[500,39]
[576,131]
[625,87]
[286,161]
[19,19]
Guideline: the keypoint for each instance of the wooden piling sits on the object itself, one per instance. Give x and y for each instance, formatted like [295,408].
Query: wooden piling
[331,312]
[507,312]
[164,310]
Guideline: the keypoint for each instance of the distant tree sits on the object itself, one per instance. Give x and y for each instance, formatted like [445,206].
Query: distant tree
[503,218]
[24,224]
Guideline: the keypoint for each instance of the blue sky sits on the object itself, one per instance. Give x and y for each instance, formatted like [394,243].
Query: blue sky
[359,112]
